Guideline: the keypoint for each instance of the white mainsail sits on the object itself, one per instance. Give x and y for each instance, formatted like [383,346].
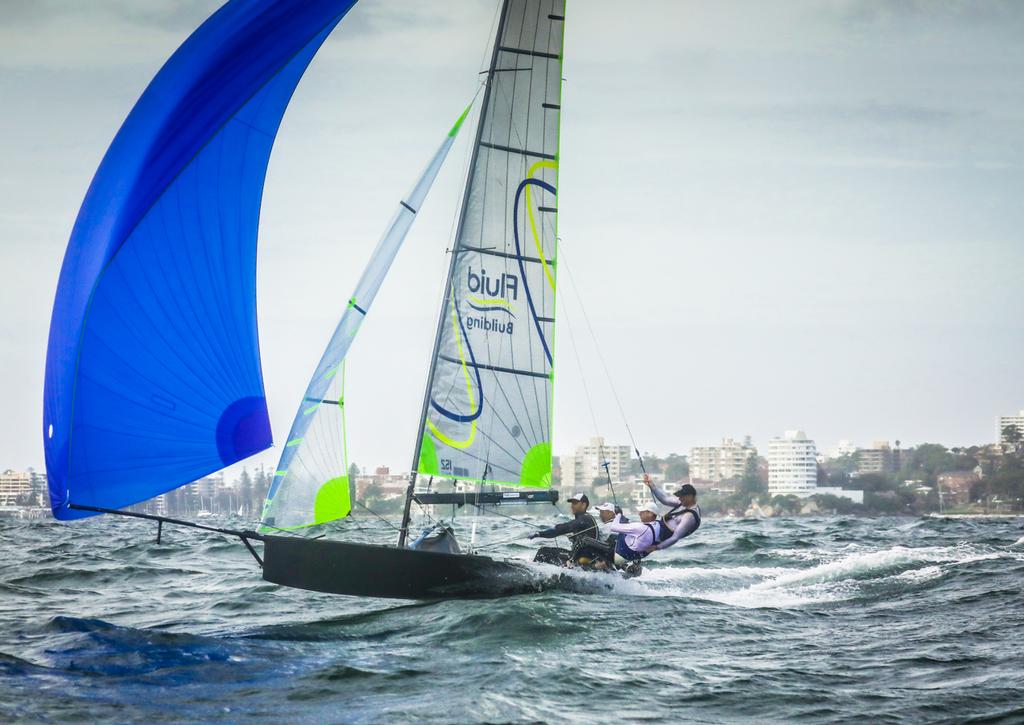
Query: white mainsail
[488,406]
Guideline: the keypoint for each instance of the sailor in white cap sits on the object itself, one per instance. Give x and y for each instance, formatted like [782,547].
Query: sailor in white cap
[606,514]
[648,513]
[636,538]
[598,550]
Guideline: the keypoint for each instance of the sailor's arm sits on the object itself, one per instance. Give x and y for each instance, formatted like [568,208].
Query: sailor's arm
[662,497]
[685,527]
[568,527]
[632,528]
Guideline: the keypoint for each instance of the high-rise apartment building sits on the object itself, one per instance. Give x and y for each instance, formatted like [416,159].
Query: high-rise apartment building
[587,464]
[792,464]
[13,484]
[715,463]
[1004,422]
[876,459]
[793,469]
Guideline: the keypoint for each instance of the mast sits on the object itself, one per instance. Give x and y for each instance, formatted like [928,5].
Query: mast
[406,511]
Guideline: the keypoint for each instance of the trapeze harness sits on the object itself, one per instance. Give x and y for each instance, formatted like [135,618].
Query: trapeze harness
[660,532]
[675,513]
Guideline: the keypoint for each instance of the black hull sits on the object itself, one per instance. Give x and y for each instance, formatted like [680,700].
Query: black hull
[366,570]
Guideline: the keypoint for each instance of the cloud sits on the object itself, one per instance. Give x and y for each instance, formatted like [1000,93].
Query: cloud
[80,37]
[165,15]
[885,12]
[749,170]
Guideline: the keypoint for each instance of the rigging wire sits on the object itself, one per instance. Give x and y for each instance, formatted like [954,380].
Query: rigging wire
[600,357]
[505,516]
[586,393]
[500,543]
[531,524]
[396,528]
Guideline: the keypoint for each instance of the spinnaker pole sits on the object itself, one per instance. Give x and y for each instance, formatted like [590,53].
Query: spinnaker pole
[161,520]
[410,490]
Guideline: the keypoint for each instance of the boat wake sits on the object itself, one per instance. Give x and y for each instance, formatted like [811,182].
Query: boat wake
[851,574]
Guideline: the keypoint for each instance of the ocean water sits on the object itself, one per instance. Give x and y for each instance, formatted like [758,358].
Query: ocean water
[785,620]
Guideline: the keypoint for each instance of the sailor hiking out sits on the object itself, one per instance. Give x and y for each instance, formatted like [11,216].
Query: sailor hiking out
[614,542]
[634,539]
[681,521]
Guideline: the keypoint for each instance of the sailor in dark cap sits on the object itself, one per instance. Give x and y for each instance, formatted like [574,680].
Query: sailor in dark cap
[681,521]
[583,526]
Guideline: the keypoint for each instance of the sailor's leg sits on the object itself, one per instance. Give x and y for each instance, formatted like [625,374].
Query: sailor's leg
[552,555]
[591,551]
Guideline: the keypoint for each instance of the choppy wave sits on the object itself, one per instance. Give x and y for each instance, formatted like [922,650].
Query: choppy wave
[818,620]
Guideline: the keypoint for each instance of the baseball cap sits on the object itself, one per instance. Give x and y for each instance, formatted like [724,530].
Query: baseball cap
[579,497]
[606,507]
[686,490]
[649,507]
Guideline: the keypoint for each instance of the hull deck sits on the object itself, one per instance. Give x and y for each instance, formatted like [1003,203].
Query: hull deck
[366,570]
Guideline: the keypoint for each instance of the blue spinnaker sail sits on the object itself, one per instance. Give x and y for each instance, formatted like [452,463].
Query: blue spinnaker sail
[153,375]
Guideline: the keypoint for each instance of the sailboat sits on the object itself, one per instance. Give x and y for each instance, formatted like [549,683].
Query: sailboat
[153,375]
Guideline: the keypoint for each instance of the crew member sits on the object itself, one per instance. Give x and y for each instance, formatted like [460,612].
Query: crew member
[634,539]
[681,521]
[606,513]
[599,551]
[648,514]
[582,527]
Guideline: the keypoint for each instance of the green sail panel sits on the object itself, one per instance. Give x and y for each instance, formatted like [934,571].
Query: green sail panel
[487,415]
[311,484]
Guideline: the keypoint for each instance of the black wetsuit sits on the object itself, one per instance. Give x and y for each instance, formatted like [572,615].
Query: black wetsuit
[581,528]
[600,547]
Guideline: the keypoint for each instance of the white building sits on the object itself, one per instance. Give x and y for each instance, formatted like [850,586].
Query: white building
[14,484]
[160,507]
[793,469]
[580,470]
[714,463]
[792,464]
[1005,420]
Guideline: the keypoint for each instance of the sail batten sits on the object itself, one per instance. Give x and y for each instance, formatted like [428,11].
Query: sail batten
[487,411]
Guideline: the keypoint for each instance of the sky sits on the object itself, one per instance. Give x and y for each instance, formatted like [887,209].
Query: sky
[776,215]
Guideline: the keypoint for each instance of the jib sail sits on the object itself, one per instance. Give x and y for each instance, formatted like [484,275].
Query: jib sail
[311,484]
